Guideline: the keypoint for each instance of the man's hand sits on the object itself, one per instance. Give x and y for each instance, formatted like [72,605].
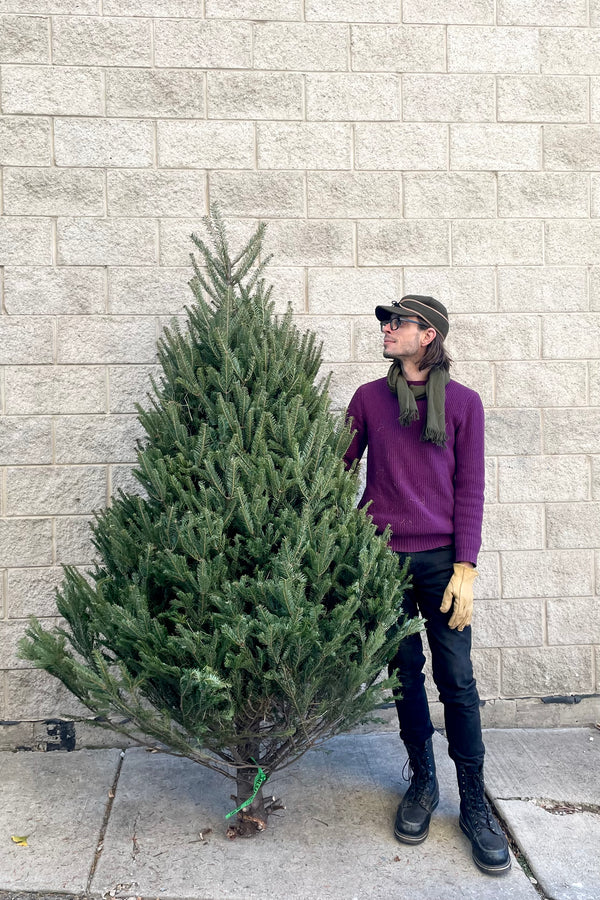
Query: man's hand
[460,592]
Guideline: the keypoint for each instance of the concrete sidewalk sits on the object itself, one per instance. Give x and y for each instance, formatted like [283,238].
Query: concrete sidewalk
[138,824]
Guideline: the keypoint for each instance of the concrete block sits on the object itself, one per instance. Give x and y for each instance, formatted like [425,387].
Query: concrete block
[177,8]
[544,384]
[513,526]
[539,98]
[106,242]
[129,385]
[161,93]
[49,390]
[452,195]
[595,98]
[25,440]
[491,480]
[176,244]
[541,478]
[574,621]
[492,49]
[352,97]
[280,10]
[29,691]
[396,146]
[55,490]
[546,670]
[354,194]
[510,432]
[31,592]
[398,48]
[490,337]
[44,7]
[101,41]
[546,289]
[548,573]
[367,339]
[486,147]
[543,195]
[16,735]
[574,525]
[571,430]
[106,339]
[96,439]
[254,95]
[448,98]
[53,192]
[196,43]
[486,668]
[570,51]
[43,290]
[302,47]
[24,39]
[488,583]
[107,143]
[349,11]
[73,541]
[498,713]
[572,241]
[316,242]
[489,243]
[288,289]
[595,180]
[477,375]
[51,90]
[23,339]
[260,194]
[122,478]
[338,291]
[595,463]
[24,141]
[10,635]
[155,193]
[347,377]
[332,332]
[560,342]
[572,147]
[542,12]
[25,240]
[462,290]
[206,145]
[449,12]
[396,243]
[508,623]
[148,291]
[26,542]
[594,370]
[304,145]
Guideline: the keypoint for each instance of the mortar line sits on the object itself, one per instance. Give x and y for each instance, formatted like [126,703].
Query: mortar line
[104,826]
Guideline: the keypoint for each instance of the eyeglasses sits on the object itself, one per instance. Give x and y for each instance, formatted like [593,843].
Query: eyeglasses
[395,322]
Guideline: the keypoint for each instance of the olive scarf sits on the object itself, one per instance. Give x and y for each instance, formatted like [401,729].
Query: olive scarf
[434,390]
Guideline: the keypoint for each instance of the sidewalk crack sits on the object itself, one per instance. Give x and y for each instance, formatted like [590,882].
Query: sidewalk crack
[100,846]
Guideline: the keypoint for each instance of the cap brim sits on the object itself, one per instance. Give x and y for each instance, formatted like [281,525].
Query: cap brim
[384,312]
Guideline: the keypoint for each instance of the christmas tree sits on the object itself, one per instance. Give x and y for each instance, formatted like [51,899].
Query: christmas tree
[241,608]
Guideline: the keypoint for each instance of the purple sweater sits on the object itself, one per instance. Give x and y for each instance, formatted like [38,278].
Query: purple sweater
[430,496]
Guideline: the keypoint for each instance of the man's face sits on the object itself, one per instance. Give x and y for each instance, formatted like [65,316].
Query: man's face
[406,341]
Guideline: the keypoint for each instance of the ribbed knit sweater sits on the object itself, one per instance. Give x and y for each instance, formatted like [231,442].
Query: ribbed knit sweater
[430,496]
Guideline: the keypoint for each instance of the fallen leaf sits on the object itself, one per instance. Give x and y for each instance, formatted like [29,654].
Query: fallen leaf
[21,841]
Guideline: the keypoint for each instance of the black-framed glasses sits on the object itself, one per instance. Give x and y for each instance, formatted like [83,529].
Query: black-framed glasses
[396,322]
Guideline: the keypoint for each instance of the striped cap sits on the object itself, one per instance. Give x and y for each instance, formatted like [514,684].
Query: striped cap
[427,308]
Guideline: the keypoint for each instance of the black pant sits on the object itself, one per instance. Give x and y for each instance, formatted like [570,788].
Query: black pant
[431,571]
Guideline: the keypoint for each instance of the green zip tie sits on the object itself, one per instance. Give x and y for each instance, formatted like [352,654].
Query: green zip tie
[259,780]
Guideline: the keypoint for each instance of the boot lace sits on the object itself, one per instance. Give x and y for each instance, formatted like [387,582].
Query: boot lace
[480,811]
[420,774]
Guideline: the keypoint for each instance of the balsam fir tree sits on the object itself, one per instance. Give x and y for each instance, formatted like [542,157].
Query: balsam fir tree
[241,610]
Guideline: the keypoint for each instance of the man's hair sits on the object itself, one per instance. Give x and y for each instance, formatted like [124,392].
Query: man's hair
[436,356]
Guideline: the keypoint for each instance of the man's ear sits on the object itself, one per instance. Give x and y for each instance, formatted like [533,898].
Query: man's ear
[428,336]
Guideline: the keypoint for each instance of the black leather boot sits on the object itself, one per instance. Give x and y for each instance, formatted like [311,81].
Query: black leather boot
[490,847]
[421,798]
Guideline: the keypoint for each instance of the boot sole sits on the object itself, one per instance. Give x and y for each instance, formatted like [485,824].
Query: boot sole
[418,838]
[501,869]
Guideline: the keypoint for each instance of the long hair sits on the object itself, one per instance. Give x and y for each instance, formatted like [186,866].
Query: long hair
[436,356]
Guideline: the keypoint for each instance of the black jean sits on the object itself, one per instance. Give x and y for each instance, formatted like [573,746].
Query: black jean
[431,571]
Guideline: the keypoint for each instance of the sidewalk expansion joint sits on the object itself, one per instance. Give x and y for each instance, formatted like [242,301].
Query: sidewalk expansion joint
[111,799]
[557,807]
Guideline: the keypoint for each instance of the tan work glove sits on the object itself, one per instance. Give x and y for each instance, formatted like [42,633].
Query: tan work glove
[460,590]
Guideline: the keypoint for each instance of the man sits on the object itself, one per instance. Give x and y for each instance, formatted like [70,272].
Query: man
[425,480]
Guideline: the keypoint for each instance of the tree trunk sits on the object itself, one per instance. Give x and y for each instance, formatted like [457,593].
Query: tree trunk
[253,818]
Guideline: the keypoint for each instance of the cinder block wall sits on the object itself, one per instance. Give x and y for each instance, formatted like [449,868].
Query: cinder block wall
[449,147]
